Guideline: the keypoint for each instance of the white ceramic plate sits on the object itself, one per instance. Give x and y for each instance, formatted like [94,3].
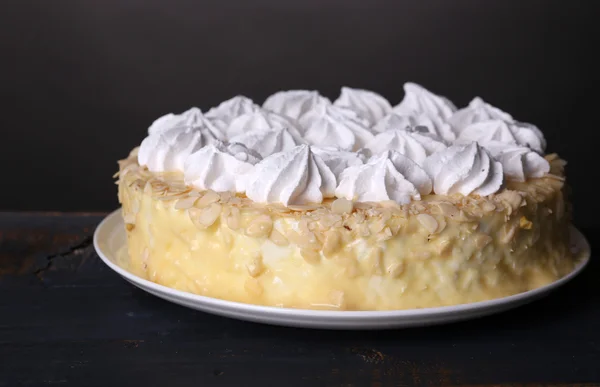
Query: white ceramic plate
[110,239]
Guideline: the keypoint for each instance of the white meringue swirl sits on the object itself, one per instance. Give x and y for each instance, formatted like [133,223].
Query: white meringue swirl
[388,176]
[465,169]
[166,150]
[508,133]
[267,142]
[367,104]
[412,143]
[334,126]
[338,160]
[227,111]
[294,103]
[519,163]
[477,110]
[419,102]
[262,120]
[192,117]
[435,127]
[294,177]
[220,167]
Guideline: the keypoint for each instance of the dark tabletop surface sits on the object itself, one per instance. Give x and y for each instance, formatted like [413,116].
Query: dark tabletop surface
[67,319]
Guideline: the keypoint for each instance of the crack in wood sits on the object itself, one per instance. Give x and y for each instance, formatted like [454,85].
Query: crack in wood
[77,249]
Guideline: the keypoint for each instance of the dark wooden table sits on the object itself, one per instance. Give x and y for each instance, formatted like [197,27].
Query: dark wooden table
[66,319]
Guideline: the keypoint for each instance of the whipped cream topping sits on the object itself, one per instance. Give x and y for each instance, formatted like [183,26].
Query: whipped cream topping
[477,111]
[294,103]
[268,142]
[329,125]
[294,177]
[166,150]
[418,100]
[398,121]
[220,167]
[192,117]
[262,120]
[414,143]
[465,169]
[517,133]
[227,111]
[298,147]
[519,163]
[367,104]
[388,176]
[433,111]
[338,160]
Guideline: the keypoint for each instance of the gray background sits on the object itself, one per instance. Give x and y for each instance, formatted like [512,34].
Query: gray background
[80,81]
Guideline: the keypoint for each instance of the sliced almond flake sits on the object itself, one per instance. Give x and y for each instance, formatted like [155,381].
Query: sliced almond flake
[305,207]
[255,266]
[507,232]
[310,256]
[482,240]
[207,199]
[377,226]
[148,188]
[331,243]
[303,227]
[488,206]
[227,238]
[359,217]
[278,238]
[233,219]
[260,227]
[443,246]
[385,234]
[441,225]
[342,206]
[205,217]
[396,269]
[428,222]
[302,241]
[186,202]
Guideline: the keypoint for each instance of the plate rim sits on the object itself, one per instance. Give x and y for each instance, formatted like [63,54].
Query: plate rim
[580,240]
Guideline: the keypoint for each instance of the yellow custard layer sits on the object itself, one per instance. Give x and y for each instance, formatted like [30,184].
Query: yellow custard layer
[443,250]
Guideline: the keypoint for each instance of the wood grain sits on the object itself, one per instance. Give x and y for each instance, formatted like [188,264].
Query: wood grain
[66,319]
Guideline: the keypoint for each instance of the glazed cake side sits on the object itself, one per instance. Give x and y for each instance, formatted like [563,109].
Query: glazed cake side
[442,250]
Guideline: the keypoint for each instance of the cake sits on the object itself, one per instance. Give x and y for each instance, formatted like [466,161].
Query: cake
[354,204]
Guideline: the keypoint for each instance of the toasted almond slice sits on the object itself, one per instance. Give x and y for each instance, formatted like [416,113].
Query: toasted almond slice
[278,238]
[396,269]
[310,256]
[207,199]
[342,206]
[332,243]
[428,222]
[186,202]
[261,226]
